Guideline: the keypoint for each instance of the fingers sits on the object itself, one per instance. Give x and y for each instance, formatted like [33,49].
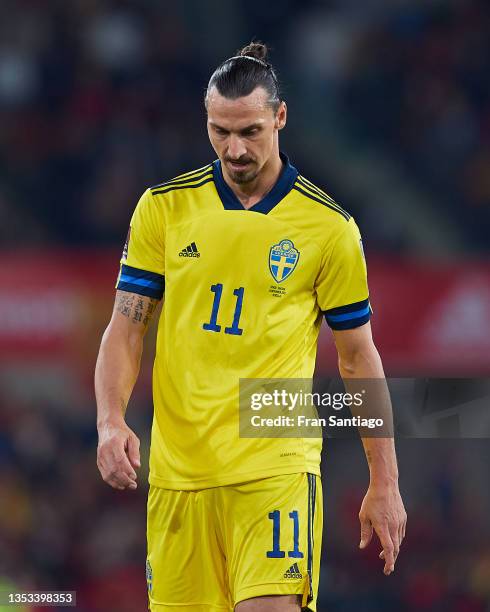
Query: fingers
[117,477]
[133,450]
[395,538]
[115,467]
[120,481]
[366,531]
[402,525]
[395,533]
[400,533]
[383,511]
[389,548]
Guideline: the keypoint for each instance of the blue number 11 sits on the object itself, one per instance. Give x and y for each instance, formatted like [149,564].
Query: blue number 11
[276,552]
[234,330]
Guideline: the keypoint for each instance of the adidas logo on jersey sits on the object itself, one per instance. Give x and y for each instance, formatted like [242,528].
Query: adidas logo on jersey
[293,572]
[190,251]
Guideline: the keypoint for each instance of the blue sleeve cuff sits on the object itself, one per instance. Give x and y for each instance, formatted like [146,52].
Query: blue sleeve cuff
[349,316]
[141,282]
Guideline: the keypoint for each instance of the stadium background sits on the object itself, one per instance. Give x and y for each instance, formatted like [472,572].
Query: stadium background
[389,110]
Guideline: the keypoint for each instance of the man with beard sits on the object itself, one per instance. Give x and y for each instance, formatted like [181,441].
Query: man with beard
[250,256]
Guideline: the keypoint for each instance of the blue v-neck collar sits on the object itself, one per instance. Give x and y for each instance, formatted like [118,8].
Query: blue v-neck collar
[282,187]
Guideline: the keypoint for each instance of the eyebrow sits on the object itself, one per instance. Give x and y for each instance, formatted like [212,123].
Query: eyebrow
[247,128]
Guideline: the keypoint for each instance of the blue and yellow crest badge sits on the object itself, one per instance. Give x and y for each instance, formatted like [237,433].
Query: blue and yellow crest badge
[283,258]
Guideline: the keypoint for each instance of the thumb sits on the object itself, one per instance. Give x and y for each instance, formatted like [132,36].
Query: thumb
[366,533]
[134,451]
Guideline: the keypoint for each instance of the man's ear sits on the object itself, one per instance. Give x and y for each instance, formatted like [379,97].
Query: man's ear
[281,116]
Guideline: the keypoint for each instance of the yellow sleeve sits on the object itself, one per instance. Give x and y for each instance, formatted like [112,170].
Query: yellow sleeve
[341,285]
[143,261]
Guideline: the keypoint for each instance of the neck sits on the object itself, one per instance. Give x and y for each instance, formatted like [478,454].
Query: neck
[254,191]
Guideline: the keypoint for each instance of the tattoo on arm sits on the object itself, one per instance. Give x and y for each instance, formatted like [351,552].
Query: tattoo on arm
[125,304]
[138,308]
[152,304]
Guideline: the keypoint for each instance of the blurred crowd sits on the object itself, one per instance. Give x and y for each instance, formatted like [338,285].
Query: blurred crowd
[89,96]
[61,527]
[418,84]
[100,98]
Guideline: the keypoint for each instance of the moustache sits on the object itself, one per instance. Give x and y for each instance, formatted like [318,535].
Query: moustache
[239,161]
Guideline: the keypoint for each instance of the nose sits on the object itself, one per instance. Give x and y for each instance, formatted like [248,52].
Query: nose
[236,147]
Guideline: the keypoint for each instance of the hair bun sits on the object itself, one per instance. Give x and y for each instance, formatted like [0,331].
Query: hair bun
[235,78]
[255,49]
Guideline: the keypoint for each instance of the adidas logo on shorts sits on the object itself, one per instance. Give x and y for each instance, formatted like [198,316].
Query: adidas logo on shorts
[190,251]
[293,572]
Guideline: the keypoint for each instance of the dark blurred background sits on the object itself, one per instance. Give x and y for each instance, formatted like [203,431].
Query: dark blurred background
[389,111]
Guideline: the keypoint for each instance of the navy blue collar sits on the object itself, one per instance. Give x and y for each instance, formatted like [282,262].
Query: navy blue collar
[280,190]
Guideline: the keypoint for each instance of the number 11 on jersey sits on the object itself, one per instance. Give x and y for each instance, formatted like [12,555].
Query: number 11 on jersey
[213,325]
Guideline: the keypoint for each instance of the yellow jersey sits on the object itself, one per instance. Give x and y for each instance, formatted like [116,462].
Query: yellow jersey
[245,293]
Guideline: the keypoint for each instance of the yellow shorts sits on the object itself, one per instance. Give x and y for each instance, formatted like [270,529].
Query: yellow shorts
[210,549]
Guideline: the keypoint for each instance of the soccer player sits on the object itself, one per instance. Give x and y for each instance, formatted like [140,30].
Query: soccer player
[250,256]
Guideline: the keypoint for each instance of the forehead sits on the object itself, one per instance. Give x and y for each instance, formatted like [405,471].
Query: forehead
[241,111]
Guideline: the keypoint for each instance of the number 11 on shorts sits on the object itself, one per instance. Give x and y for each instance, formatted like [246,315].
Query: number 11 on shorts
[276,552]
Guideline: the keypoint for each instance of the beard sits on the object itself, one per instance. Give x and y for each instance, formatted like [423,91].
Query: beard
[243,176]
[240,177]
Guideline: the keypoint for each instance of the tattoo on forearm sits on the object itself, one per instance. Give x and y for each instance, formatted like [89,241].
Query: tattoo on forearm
[137,308]
[125,304]
[138,311]
[152,304]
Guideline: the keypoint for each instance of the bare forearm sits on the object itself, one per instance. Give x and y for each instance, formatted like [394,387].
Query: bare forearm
[382,507]
[116,372]
[365,363]
[117,369]
[380,451]
[381,458]
[120,352]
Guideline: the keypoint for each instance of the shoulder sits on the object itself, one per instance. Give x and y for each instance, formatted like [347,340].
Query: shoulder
[186,194]
[188,180]
[321,202]
[321,217]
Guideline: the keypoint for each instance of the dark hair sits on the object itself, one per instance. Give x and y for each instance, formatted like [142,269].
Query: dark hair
[239,75]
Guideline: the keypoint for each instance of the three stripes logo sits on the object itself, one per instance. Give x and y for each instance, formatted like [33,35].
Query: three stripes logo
[190,251]
[293,572]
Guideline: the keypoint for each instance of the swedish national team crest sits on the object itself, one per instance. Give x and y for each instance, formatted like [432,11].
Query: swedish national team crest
[283,258]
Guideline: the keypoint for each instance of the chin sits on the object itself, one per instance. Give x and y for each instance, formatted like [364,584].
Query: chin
[243,177]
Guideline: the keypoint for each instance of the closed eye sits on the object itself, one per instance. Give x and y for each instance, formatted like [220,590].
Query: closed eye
[251,131]
[220,131]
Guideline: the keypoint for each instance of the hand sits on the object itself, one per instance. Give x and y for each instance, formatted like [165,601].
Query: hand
[118,455]
[382,509]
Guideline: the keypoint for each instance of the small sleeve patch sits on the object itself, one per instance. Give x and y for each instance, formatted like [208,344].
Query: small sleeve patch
[126,245]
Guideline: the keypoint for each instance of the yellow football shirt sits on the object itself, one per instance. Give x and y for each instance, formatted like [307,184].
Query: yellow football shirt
[245,292]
